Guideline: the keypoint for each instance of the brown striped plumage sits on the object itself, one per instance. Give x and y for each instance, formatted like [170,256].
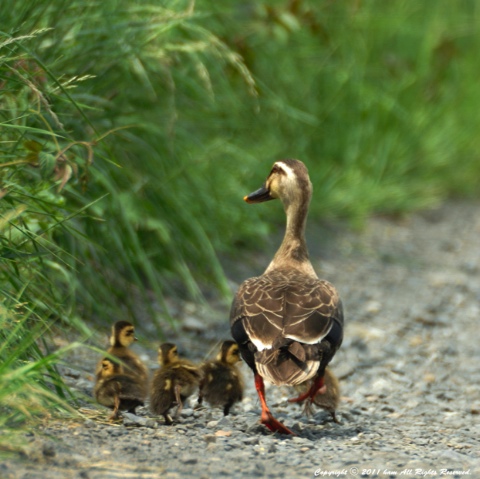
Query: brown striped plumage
[287,322]
[117,390]
[222,383]
[286,308]
[174,381]
[122,337]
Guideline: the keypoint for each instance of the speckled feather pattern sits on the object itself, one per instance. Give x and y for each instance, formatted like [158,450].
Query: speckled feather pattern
[183,374]
[286,304]
[129,391]
[222,384]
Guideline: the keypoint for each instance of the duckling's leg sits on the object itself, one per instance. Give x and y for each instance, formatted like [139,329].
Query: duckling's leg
[267,417]
[200,396]
[226,408]
[168,419]
[334,417]
[178,398]
[116,407]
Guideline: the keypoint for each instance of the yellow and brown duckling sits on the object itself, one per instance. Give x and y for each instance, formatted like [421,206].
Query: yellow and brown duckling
[123,335]
[327,398]
[174,381]
[222,383]
[117,390]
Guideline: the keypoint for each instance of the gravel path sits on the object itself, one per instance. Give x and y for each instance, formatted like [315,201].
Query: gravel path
[409,373]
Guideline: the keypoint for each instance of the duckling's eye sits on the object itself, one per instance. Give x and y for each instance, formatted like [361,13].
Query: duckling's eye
[276,169]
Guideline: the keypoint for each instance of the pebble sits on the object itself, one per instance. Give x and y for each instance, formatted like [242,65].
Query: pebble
[191,323]
[48,450]
[209,438]
[130,419]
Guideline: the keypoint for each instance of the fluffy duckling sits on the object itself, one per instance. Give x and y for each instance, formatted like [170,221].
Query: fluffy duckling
[222,383]
[123,335]
[173,382]
[116,390]
[330,399]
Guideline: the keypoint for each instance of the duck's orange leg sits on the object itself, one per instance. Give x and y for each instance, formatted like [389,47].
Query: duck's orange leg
[267,417]
[317,387]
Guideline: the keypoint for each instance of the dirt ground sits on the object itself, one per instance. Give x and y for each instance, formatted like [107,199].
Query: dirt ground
[409,373]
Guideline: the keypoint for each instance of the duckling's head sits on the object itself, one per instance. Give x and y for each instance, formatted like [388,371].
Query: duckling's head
[109,368]
[123,334]
[229,353]
[288,180]
[167,354]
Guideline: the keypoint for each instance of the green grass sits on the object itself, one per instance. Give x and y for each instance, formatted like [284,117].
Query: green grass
[131,130]
[30,386]
[377,97]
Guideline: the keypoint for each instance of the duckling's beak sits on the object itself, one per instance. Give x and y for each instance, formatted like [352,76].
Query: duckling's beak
[135,338]
[259,196]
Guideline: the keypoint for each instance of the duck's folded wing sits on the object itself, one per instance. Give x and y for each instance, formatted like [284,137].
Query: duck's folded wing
[311,309]
[259,308]
[274,308]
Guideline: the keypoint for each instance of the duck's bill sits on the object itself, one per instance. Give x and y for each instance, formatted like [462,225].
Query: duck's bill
[259,196]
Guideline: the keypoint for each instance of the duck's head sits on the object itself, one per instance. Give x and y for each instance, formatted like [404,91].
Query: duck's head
[123,334]
[229,353]
[288,180]
[109,368]
[167,354]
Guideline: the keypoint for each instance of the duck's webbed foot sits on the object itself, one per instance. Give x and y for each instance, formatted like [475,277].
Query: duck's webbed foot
[274,424]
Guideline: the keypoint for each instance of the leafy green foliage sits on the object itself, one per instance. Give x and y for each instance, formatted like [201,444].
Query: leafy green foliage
[373,95]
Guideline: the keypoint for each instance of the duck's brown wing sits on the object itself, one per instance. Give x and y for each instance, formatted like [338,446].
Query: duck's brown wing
[282,306]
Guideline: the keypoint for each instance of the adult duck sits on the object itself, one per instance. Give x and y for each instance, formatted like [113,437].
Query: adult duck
[287,322]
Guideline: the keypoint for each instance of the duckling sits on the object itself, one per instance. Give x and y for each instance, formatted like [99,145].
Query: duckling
[222,383]
[287,322]
[173,382]
[123,335]
[330,398]
[117,390]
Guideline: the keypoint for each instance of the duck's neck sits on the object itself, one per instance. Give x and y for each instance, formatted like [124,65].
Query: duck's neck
[293,252]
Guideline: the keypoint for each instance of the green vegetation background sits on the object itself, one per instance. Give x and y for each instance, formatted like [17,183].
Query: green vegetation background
[130,131]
